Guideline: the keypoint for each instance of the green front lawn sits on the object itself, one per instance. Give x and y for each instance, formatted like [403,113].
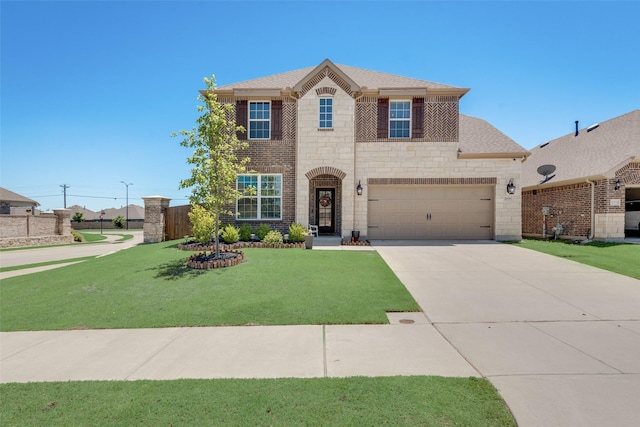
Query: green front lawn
[149,286]
[357,401]
[616,257]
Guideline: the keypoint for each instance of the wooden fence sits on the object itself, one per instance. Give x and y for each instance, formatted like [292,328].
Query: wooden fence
[177,224]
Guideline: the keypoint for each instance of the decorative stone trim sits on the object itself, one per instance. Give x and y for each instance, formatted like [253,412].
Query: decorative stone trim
[225,247]
[325,72]
[222,263]
[326,91]
[325,170]
[432,181]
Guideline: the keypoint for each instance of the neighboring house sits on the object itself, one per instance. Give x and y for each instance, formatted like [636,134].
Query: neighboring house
[348,149]
[597,170]
[9,199]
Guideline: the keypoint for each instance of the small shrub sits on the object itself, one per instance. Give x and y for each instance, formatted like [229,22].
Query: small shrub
[77,237]
[273,237]
[118,221]
[202,224]
[230,234]
[297,233]
[263,230]
[245,232]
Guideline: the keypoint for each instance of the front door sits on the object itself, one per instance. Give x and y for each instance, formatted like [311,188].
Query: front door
[325,210]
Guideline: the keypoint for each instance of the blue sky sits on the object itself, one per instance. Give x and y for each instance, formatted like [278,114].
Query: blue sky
[90,91]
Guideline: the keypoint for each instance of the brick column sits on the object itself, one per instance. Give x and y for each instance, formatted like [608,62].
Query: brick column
[63,221]
[154,207]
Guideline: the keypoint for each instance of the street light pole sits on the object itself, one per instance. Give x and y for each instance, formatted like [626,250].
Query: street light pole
[127,209]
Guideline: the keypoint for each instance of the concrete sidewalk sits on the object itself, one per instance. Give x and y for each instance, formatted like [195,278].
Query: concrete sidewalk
[230,352]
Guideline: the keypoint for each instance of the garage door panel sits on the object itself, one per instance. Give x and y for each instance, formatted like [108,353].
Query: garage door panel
[431,212]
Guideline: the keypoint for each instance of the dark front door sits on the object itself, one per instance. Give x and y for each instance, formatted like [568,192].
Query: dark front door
[325,210]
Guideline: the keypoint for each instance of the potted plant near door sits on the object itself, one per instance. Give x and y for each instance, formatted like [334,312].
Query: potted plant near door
[308,240]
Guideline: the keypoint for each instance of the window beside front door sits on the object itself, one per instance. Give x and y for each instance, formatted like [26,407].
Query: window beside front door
[266,203]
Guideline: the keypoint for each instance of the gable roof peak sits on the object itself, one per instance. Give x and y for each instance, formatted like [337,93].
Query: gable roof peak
[326,64]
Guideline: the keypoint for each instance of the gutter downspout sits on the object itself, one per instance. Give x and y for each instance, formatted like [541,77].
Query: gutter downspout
[593,210]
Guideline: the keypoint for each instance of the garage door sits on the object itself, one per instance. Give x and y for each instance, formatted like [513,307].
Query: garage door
[430,212]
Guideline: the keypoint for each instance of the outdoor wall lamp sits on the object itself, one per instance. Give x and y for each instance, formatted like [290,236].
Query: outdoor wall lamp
[617,184]
[511,187]
[359,188]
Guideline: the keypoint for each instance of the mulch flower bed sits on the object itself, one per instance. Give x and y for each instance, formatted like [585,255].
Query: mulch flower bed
[195,246]
[203,261]
[355,242]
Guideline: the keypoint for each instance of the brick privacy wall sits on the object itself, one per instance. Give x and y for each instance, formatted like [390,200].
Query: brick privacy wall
[571,202]
[12,226]
[107,224]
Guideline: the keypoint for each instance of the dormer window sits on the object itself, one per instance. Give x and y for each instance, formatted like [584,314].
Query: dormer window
[326,113]
[400,119]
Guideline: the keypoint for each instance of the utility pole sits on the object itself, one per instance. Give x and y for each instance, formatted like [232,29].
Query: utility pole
[127,185]
[64,187]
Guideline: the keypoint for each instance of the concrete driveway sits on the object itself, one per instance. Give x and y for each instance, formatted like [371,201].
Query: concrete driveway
[559,340]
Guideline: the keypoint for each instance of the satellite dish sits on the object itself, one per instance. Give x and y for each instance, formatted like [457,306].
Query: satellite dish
[546,171]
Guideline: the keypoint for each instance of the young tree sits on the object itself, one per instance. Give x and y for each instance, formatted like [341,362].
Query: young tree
[78,217]
[215,161]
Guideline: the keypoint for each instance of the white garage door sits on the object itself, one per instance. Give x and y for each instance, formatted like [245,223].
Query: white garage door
[430,212]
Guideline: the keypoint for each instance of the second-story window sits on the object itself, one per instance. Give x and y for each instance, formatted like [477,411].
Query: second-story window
[259,120]
[326,113]
[400,119]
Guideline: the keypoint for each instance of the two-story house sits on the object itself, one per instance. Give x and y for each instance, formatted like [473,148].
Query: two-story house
[348,149]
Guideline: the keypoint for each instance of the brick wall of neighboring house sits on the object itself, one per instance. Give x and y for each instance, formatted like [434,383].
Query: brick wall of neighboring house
[570,204]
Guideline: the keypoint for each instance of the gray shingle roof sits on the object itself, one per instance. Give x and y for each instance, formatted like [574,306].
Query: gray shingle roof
[477,136]
[590,154]
[364,78]
[15,199]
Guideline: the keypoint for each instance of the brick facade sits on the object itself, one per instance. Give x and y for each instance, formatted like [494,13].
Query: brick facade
[571,206]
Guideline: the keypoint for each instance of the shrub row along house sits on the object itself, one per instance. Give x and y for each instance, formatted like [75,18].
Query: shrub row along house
[390,157]
[592,189]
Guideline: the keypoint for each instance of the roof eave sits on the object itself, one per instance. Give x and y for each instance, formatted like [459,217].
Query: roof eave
[505,155]
[551,184]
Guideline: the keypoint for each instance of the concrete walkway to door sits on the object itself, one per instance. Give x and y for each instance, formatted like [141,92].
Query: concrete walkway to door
[560,340]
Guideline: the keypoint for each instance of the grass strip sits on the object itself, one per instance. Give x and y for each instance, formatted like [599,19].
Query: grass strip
[620,258]
[43,264]
[356,401]
[93,237]
[150,286]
